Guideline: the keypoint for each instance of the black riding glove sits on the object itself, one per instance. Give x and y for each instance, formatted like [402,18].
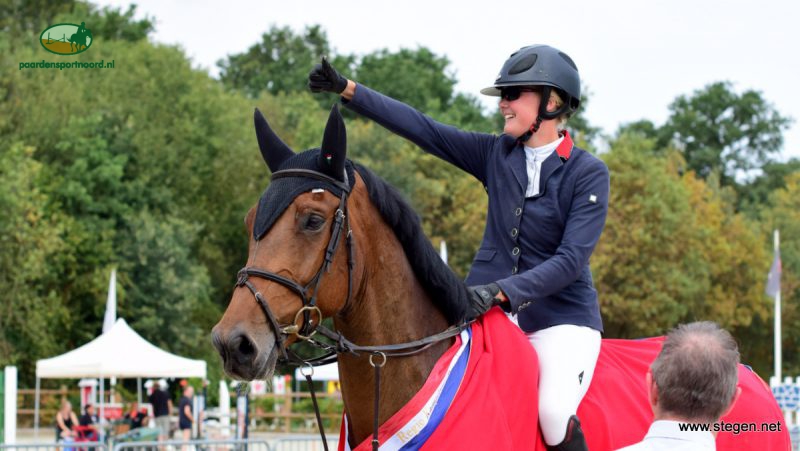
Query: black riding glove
[483,297]
[323,77]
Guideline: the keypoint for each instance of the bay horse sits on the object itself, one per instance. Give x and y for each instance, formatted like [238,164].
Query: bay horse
[329,239]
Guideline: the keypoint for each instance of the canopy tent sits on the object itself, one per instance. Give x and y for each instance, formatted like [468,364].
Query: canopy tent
[327,372]
[119,352]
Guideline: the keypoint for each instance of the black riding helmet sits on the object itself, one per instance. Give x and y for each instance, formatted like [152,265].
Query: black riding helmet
[544,66]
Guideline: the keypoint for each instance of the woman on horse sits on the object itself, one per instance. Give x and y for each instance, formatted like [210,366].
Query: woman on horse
[548,201]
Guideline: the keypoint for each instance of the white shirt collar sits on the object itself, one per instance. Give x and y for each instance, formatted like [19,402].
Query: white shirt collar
[666,429]
[542,152]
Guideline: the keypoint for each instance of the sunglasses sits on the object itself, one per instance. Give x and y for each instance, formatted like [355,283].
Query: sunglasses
[512,93]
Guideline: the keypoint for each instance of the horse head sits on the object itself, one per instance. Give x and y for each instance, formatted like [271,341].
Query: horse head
[296,271]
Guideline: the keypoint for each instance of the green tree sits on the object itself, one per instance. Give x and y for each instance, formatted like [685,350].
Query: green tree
[22,21]
[783,214]
[719,130]
[755,194]
[675,251]
[279,63]
[30,311]
[417,77]
[22,16]
[644,275]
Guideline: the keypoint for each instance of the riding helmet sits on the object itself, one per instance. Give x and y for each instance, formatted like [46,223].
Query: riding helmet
[540,65]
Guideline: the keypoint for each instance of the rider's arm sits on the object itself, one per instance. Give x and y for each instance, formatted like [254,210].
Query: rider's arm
[467,150]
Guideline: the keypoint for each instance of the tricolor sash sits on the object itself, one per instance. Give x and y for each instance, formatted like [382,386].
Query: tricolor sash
[412,425]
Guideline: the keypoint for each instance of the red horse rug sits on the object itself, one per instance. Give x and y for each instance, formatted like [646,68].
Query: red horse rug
[482,395]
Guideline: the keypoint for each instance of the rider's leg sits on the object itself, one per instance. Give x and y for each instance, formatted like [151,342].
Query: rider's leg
[567,358]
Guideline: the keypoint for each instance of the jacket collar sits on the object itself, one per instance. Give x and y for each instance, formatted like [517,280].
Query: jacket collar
[564,150]
[516,160]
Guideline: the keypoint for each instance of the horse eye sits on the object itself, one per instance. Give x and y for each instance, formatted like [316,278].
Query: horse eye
[314,222]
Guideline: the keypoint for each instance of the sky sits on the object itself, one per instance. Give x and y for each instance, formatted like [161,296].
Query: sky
[634,57]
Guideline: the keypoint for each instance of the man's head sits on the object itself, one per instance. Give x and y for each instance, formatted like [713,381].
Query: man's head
[694,377]
[188,391]
[88,409]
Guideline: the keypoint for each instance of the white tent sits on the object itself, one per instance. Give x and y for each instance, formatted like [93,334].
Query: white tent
[119,352]
[327,372]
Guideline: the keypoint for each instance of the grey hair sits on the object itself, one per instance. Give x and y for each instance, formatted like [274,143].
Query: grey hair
[697,371]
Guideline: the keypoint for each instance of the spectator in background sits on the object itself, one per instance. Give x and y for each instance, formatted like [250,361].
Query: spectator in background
[135,417]
[66,422]
[88,418]
[86,424]
[185,417]
[693,380]
[162,406]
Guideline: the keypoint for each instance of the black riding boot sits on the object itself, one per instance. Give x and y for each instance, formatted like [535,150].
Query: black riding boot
[574,440]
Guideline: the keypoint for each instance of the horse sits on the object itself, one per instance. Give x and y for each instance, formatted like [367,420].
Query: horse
[330,239]
[79,40]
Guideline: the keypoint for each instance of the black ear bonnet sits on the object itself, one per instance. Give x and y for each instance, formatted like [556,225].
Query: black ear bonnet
[282,192]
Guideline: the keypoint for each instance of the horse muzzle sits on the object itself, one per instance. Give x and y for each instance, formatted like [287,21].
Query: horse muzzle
[242,357]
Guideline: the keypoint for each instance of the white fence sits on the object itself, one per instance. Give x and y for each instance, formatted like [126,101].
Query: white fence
[62,446]
[197,445]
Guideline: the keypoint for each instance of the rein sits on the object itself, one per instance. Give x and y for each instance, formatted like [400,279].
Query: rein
[378,355]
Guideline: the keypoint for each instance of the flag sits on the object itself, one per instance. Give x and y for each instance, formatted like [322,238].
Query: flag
[111,303]
[774,277]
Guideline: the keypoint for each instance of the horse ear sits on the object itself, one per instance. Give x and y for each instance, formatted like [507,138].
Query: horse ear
[273,150]
[334,145]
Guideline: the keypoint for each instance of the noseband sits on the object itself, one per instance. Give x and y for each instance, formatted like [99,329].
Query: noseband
[341,225]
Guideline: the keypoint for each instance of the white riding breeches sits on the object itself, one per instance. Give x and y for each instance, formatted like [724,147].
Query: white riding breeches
[567,358]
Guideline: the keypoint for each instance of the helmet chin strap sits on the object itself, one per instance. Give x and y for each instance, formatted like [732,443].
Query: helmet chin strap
[543,115]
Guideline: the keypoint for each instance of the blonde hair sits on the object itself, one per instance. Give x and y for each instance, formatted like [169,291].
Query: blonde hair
[558,102]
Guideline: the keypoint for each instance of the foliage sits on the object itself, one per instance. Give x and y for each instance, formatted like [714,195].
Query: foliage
[783,214]
[29,234]
[718,130]
[674,251]
[22,20]
[418,77]
[279,63]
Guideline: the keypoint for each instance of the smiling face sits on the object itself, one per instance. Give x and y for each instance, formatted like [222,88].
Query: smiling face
[521,113]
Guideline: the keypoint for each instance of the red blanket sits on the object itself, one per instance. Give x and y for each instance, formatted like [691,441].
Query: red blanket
[496,406]
[617,413]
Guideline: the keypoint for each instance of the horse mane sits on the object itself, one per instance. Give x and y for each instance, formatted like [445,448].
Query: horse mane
[448,292]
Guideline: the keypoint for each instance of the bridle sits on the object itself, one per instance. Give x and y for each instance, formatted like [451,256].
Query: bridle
[308,328]
[340,226]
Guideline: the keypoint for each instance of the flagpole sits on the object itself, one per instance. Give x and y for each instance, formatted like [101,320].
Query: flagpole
[778,353]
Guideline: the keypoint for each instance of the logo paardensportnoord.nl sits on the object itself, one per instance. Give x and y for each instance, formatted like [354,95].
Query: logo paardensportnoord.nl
[66,38]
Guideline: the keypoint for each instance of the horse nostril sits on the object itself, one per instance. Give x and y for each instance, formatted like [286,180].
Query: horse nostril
[244,346]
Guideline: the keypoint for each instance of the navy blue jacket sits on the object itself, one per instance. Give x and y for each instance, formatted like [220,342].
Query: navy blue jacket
[536,249]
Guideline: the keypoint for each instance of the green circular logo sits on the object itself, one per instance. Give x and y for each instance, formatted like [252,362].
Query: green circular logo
[66,38]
